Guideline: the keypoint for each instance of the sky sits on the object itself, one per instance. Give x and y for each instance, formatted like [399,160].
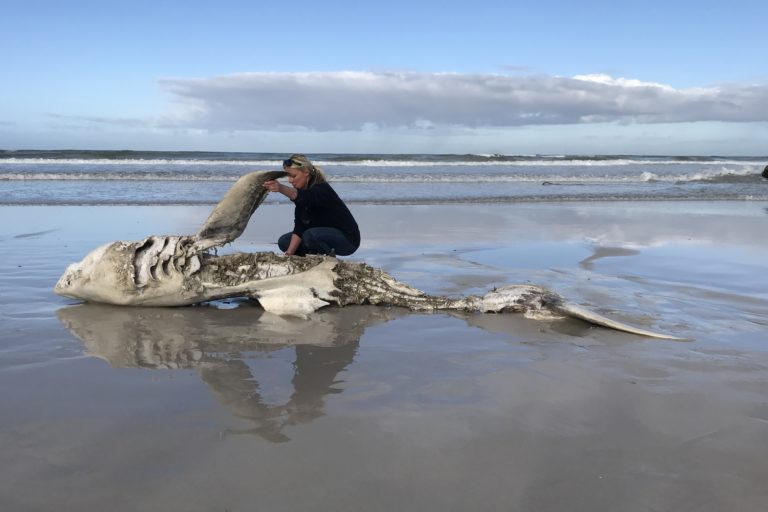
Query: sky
[547,77]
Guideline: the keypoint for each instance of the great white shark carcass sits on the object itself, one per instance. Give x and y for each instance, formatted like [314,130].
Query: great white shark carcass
[181,271]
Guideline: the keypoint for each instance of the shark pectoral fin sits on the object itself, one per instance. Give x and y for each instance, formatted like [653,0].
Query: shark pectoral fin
[229,218]
[290,300]
[582,313]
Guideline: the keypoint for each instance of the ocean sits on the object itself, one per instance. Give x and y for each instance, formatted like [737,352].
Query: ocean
[73,177]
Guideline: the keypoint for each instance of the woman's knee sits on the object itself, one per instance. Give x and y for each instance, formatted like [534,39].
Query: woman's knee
[314,242]
[329,241]
[284,241]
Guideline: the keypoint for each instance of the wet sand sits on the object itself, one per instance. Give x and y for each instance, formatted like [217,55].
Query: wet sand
[225,407]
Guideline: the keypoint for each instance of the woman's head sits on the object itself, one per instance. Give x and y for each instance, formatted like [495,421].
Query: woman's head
[301,172]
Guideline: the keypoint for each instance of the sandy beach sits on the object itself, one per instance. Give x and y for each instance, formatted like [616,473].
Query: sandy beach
[228,408]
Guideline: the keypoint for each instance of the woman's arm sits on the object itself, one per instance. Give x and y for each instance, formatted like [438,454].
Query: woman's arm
[276,186]
[295,242]
[290,193]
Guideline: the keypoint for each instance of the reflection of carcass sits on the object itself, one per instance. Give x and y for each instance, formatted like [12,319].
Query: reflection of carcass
[218,343]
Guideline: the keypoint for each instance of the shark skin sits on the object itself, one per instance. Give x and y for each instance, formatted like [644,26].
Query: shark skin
[180,271]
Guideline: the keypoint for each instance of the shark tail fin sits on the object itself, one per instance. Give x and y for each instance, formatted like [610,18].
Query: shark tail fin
[576,311]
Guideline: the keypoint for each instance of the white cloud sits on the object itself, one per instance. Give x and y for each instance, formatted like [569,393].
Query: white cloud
[351,100]
[620,82]
[77,120]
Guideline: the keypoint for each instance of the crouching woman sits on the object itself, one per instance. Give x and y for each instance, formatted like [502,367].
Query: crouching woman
[322,222]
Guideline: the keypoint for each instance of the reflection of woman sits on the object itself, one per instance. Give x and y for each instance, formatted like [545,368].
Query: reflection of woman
[322,222]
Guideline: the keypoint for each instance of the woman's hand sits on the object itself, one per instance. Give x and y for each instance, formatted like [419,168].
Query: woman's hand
[272,185]
[276,186]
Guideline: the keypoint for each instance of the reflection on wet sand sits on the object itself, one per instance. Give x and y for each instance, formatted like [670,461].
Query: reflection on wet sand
[605,252]
[219,343]
[213,342]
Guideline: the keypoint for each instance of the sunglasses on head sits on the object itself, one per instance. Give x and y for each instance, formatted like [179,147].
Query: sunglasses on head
[291,162]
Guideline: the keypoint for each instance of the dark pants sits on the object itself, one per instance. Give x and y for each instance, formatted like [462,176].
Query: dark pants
[330,241]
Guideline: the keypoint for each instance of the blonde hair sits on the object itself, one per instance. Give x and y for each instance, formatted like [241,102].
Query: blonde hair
[299,161]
